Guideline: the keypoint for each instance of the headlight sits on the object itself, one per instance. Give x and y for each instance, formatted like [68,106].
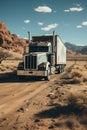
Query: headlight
[42,67]
[21,65]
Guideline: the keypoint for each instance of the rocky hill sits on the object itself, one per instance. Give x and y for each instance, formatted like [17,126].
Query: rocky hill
[10,41]
[75,48]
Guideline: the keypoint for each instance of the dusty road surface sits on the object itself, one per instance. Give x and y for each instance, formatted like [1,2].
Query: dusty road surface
[43,105]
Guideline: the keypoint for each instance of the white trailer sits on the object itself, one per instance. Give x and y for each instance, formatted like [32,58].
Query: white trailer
[60,52]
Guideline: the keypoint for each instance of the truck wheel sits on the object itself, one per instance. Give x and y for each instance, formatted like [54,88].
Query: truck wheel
[59,71]
[47,77]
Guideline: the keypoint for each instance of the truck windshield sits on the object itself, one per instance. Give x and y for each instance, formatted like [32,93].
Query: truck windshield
[38,49]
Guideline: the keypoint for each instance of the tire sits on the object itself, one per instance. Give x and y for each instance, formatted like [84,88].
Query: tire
[48,76]
[59,71]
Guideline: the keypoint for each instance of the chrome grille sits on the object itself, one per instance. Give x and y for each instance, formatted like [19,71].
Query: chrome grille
[30,62]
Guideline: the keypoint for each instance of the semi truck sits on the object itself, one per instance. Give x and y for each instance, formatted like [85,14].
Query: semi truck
[45,55]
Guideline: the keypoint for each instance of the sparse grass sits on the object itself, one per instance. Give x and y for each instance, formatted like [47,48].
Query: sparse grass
[77,68]
[76,73]
[75,77]
[83,120]
[85,66]
[3,55]
[79,75]
[2,69]
[77,80]
[84,79]
[70,125]
[78,100]
[7,67]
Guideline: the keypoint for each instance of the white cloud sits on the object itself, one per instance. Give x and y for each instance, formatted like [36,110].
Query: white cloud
[43,9]
[79,26]
[66,10]
[84,23]
[40,23]
[27,21]
[77,4]
[48,34]
[25,38]
[78,9]
[74,9]
[49,27]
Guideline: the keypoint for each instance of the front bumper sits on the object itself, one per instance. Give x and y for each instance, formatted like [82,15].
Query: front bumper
[31,73]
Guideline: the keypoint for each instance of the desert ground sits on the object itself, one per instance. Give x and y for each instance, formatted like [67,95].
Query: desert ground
[58,104]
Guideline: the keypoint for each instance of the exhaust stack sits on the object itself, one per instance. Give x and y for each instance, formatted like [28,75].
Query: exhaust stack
[53,50]
[53,45]
[26,48]
[28,37]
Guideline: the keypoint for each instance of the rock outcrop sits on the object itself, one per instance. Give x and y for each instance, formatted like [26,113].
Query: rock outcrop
[10,41]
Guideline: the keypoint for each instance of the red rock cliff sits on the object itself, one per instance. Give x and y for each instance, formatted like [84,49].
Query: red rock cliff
[10,41]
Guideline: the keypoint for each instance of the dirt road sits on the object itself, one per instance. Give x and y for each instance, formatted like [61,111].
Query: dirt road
[30,105]
[13,95]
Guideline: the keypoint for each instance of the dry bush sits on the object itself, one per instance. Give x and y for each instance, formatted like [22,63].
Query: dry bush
[2,68]
[3,55]
[7,67]
[74,77]
[76,74]
[77,80]
[77,68]
[84,79]
[70,124]
[83,119]
[78,100]
[85,66]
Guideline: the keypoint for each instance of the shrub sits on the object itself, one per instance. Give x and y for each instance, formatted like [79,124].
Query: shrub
[77,80]
[78,100]
[85,66]
[76,74]
[3,55]
[84,79]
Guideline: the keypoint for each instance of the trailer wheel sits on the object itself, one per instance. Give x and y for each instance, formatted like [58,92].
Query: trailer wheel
[59,71]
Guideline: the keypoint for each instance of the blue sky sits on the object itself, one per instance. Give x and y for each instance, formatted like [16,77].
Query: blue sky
[67,17]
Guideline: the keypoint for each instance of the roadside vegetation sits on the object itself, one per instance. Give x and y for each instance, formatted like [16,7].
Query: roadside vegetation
[3,55]
[78,99]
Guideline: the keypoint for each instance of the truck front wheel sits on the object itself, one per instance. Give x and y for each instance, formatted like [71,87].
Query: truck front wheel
[48,76]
